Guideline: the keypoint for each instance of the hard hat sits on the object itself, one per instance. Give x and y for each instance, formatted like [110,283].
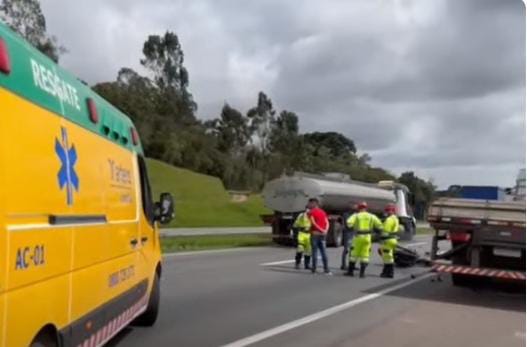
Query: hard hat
[362,205]
[389,208]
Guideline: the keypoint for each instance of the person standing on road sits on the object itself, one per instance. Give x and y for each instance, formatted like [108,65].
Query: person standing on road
[319,228]
[303,227]
[347,236]
[389,240]
[363,223]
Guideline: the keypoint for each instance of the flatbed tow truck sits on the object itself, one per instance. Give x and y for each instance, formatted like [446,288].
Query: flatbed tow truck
[487,239]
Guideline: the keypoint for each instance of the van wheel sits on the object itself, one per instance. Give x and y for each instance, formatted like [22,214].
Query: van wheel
[44,339]
[149,317]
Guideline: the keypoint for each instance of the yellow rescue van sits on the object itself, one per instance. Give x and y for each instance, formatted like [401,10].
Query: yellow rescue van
[79,251]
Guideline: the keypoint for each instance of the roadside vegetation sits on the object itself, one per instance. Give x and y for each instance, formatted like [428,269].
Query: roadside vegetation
[195,243]
[201,200]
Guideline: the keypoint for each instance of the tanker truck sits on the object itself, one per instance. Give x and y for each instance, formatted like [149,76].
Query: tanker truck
[287,196]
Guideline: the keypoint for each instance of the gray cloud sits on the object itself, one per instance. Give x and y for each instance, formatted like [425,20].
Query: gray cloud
[432,86]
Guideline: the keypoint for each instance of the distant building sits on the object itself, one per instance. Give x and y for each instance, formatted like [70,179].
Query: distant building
[488,192]
[474,192]
[482,192]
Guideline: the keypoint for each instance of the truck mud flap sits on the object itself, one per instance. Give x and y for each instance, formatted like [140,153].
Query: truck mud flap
[479,271]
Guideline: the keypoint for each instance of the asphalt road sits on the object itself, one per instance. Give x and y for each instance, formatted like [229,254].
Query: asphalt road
[255,297]
[215,231]
[231,230]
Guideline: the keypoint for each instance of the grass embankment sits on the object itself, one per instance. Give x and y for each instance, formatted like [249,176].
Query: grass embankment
[194,243]
[201,200]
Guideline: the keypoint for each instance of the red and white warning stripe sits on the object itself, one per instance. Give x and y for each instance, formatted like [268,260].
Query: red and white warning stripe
[477,271]
[105,333]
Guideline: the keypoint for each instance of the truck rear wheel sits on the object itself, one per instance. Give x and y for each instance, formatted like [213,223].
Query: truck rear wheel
[463,280]
[461,258]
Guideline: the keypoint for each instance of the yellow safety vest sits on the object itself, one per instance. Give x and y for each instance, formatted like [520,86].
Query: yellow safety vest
[391,226]
[302,222]
[364,222]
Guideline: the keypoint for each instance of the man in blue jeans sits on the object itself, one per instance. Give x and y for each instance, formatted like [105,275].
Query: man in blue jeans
[319,229]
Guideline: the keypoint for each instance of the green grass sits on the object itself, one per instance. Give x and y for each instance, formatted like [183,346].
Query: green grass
[194,243]
[201,200]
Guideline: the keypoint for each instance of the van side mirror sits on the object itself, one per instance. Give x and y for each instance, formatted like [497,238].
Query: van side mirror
[164,210]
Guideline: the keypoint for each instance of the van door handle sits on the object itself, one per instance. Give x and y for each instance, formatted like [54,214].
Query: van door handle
[144,239]
[133,242]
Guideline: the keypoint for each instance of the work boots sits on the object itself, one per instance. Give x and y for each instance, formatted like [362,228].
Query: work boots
[351,269]
[298,259]
[362,269]
[307,262]
[384,272]
[389,272]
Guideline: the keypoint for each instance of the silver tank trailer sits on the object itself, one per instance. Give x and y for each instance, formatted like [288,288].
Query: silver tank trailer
[290,194]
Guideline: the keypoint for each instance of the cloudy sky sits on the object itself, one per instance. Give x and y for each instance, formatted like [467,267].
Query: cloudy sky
[433,86]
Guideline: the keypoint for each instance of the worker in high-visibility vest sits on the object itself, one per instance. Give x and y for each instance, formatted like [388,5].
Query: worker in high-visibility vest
[302,225]
[389,240]
[347,237]
[363,223]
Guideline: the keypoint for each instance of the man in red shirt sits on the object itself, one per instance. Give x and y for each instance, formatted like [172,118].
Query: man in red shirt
[319,229]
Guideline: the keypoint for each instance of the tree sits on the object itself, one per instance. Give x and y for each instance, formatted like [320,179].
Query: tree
[128,77]
[286,143]
[338,144]
[163,57]
[422,190]
[261,119]
[135,96]
[26,18]
[231,129]
[365,159]
[284,132]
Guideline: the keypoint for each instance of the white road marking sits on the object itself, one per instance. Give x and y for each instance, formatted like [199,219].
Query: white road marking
[278,262]
[319,315]
[414,244]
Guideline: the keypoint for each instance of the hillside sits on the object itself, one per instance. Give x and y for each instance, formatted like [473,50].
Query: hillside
[201,200]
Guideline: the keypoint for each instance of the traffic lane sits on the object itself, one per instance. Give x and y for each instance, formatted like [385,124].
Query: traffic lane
[217,298]
[427,313]
[168,232]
